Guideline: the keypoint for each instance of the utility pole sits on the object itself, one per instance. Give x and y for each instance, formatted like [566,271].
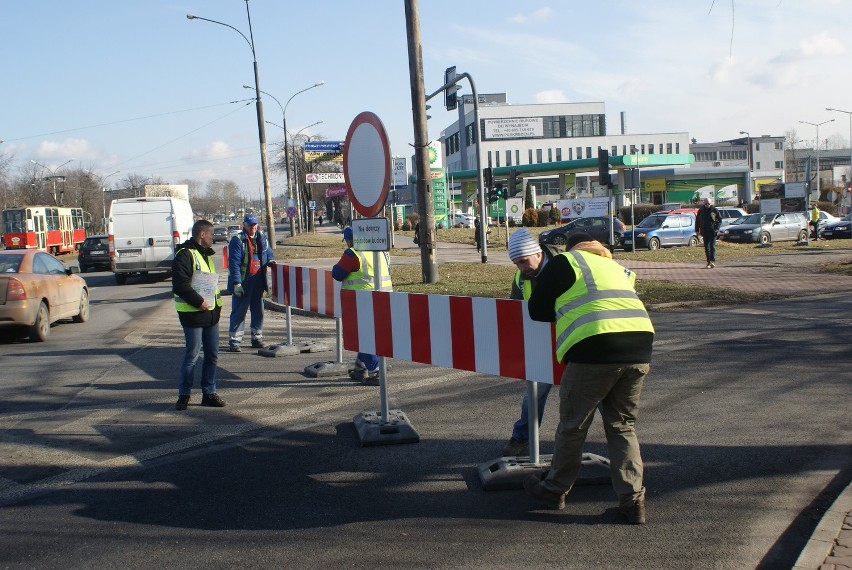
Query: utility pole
[421,142]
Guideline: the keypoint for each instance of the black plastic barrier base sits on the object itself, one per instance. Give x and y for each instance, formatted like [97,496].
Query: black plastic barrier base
[508,473]
[372,431]
[290,349]
[328,368]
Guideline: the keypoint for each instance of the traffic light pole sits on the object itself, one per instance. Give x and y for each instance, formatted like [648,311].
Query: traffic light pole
[483,198]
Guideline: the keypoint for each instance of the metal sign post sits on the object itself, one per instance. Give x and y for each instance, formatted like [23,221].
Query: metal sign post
[367,169]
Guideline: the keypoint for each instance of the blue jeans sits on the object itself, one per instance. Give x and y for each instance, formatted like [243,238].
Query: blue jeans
[521,430]
[251,299]
[370,361]
[196,337]
[710,247]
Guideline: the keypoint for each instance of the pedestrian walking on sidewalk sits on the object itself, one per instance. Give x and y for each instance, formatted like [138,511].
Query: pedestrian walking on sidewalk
[707,222]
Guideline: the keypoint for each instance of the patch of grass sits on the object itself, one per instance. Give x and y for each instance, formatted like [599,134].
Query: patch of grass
[464,279]
[490,280]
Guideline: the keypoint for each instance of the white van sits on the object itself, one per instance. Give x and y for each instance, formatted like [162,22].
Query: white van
[143,233]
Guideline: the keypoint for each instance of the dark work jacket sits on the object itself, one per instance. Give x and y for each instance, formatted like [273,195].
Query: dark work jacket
[707,220]
[183,265]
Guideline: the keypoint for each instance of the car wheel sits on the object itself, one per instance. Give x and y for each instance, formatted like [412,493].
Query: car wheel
[653,243]
[559,240]
[41,328]
[803,235]
[120,278]
[764,238]
[83,315]
[693,242]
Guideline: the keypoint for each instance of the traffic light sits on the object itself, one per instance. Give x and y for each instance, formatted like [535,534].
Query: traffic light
[492,195]
[488,175]
[501,193]
[603,167]
[450,101]
[516,183]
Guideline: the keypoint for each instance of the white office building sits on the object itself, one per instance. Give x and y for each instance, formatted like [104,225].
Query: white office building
[517,135]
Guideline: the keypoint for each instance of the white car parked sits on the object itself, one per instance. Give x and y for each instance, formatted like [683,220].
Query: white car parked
[466,220]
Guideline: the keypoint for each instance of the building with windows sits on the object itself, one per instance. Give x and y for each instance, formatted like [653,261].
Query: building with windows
[763,156]
[532,134]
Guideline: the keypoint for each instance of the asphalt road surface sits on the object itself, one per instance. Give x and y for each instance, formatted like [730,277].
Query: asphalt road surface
[744,428]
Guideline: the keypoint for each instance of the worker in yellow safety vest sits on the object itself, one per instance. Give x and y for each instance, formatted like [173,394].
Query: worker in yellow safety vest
[356,270]
[199,305]
[605,337]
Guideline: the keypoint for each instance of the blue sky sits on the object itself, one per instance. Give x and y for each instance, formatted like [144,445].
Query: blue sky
[134,86]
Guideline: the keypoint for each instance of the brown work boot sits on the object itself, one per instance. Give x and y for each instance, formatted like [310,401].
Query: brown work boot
[182,402]
[634,512]
[534,488]
[212,400]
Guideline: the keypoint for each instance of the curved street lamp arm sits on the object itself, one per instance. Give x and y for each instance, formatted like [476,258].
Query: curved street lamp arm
[194,17]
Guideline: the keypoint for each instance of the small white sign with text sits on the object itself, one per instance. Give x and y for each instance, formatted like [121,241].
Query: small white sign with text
[371,234]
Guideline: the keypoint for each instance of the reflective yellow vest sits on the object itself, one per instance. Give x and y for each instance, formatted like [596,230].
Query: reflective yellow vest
[181,305]
[363,278]
[602,300]
[526,287]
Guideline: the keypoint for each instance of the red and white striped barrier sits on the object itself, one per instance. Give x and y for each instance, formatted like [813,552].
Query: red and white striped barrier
[311,290]
[491,336]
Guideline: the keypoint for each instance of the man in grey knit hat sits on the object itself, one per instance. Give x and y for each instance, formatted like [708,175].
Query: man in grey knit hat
[527,255]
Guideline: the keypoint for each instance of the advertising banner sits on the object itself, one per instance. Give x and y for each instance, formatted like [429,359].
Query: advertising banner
[515,209]
[323,156]
[324,146]
[514,128]
[324,178]
[399,177]
[335,191]
[583,208]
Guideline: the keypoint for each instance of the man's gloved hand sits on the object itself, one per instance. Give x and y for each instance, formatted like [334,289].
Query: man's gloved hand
[238,290]
[270,263]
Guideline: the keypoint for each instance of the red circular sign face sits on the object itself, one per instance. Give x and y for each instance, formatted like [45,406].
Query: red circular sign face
[367,164]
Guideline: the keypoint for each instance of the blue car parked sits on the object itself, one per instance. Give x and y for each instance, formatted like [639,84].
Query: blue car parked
[662,230]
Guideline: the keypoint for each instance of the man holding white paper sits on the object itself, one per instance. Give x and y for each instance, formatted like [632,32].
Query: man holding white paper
[199,305]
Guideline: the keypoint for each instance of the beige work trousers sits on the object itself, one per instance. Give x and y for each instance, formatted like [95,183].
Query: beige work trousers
[616,387]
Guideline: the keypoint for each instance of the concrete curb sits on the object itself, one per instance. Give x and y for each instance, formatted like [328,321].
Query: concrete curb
[823,539]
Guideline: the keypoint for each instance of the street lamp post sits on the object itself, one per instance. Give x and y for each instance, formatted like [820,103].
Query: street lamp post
[817,125]
[849,178]
[750,162]
[261,128]
[298,200]
[286,147]
[53,176]
[297,190]
[103,197]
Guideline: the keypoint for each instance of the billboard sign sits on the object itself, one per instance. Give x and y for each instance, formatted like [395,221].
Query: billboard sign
[400,178]
[335,191]
[514,128]
[324,146]
[583,208]
[325,178]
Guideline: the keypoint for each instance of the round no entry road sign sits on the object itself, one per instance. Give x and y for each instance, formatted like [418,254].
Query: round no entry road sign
[367,164]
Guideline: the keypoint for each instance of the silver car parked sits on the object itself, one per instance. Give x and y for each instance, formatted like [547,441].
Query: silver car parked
[767,228]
